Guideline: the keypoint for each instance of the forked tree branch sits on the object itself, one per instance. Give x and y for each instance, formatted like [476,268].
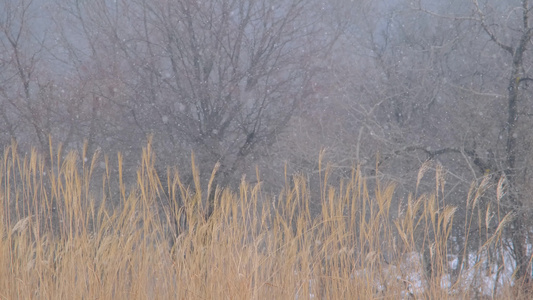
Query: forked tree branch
[489,32]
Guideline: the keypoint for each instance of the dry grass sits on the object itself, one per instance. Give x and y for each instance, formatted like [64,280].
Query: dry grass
[62,240]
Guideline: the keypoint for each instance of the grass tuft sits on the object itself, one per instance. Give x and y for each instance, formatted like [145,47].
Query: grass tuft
[62,238]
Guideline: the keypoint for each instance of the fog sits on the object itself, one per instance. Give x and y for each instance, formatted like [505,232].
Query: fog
[269,84]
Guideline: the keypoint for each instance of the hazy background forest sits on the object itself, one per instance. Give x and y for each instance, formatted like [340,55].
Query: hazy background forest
[384,85]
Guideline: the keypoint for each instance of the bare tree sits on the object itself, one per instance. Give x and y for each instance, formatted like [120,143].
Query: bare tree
[436,80]
[20,61]
[36,100]
[477,104]
[221,78]
[498,139]
[514,37]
